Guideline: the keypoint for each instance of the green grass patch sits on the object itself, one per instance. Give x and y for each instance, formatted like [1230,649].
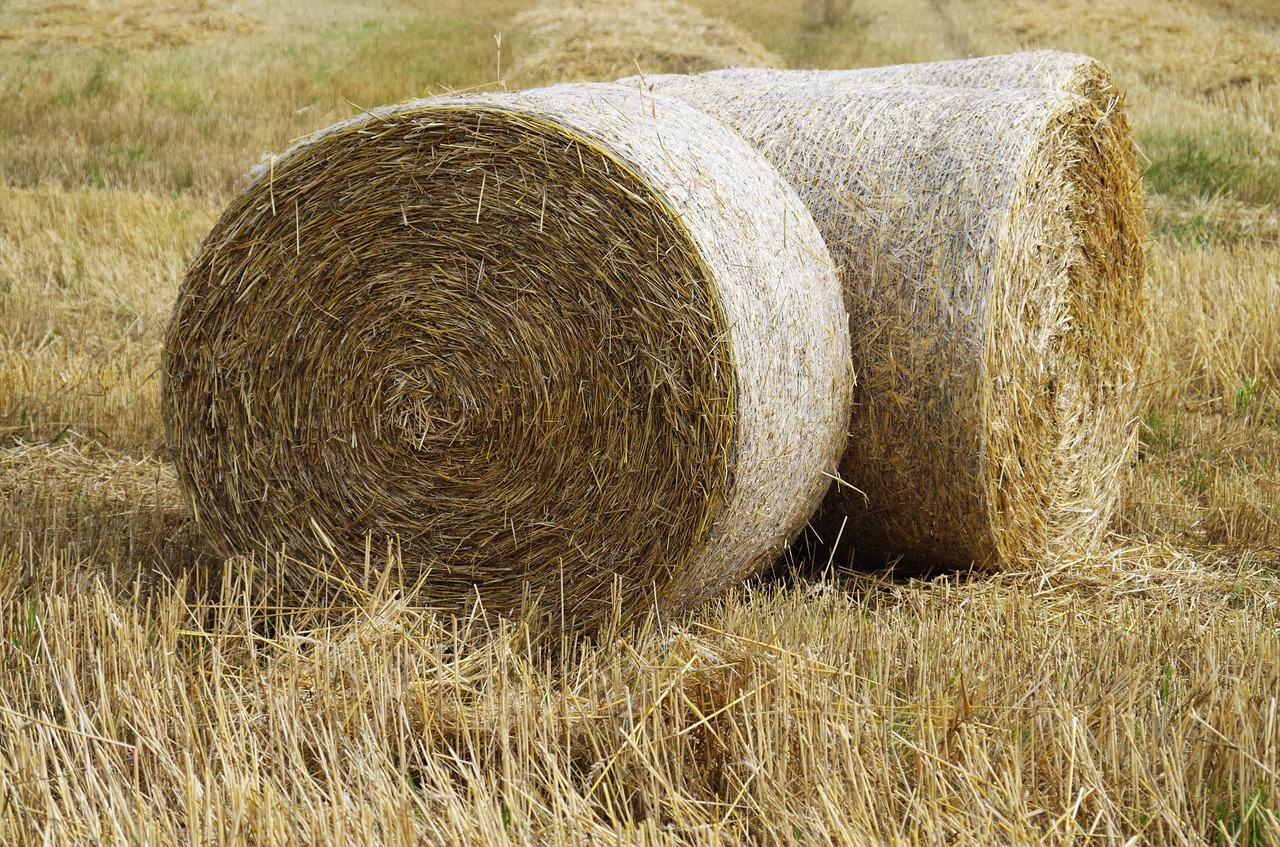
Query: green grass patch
[1242,816]
[102,81]
[463,52]
[1217,164]
[1161,435]
[1193,229]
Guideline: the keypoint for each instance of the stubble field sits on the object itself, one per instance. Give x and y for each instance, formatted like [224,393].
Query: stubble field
[153,693]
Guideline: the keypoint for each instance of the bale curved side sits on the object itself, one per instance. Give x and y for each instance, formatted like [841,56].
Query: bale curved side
[991,252]
[1048,69]
[535,342]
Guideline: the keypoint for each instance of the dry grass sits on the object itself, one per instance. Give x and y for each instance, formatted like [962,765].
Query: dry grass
[1209,466]
[1159,41]
[87,281]
[1128,697]
[194,117]
[153,693]
[124,24]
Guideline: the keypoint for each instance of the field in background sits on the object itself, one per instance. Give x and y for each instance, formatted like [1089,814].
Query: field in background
[152,693]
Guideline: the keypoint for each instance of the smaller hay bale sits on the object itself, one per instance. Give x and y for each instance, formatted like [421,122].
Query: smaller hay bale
[540,343]
[585,40]
[990,244]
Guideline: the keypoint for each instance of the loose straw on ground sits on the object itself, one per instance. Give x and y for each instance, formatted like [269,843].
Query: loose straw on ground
[537,343]
[991,252]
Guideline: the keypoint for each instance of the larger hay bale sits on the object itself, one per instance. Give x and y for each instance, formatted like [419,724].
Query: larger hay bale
[991,251]
[538,342]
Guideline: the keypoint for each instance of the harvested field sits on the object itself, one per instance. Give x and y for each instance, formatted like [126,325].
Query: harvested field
[154,691]
[123,24]
[1241,55]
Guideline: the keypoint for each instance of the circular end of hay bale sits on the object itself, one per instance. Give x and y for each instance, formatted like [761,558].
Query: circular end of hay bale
[536,345]
[1067,337]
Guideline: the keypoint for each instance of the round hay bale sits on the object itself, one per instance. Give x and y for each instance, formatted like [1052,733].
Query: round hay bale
[990,243]
[538,343]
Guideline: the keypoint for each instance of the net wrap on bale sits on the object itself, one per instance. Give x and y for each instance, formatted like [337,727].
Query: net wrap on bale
[534,343]
[1044,69]
[990,244]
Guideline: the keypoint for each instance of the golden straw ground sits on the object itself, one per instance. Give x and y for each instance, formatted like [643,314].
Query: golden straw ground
[535,343]
[991,251]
